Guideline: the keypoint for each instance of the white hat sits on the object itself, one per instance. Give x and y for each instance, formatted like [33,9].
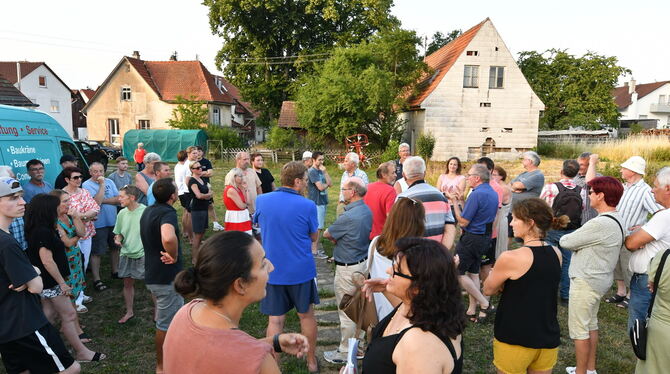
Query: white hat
[635,164]
[306,154]
[9,186]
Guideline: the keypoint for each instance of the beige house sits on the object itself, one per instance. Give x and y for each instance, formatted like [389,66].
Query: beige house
[476,102]
[141,94]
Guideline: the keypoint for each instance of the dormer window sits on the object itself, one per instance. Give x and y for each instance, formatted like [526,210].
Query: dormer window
[125,94]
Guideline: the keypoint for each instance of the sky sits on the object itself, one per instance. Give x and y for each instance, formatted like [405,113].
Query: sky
[82,41]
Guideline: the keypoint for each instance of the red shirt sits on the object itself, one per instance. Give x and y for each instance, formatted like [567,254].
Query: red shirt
[379,198]
[139,155]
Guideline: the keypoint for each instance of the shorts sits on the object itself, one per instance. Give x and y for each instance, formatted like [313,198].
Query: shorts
[103,239]
[42,351]
[489,257]
[469,249]
[131,267]
[51,293]
[621,271]
[321,216]
[510,230]
[516,359]
[279,299]
[582,309]
[168,303]
[185,200]
[199,221]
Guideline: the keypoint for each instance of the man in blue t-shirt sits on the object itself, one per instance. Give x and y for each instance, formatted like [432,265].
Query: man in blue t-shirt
[289,226]
[476,220]
[317,191]
[36,184]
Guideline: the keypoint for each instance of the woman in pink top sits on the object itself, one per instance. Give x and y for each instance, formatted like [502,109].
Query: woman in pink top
[230,273]
[452,180]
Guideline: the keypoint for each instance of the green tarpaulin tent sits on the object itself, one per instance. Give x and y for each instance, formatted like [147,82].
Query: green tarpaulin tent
[164,142]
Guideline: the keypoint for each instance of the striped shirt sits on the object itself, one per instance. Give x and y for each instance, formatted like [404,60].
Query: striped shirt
[438,211]
[588,212]
[636,204]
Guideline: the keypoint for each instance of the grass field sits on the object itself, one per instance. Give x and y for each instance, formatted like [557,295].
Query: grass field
[130,347]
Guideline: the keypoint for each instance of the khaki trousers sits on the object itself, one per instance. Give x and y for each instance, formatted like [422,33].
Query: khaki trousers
[344,285]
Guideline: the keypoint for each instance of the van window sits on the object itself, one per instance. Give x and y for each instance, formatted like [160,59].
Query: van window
[70,149]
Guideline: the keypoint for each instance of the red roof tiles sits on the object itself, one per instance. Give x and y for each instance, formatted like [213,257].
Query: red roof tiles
[623,99]
[441,61]
[287,116]
[8,69]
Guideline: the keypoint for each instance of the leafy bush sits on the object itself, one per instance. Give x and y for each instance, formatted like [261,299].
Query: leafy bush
[425,145]
[280,138]
[565,151]
[636,128]
[227,136]
[390,152]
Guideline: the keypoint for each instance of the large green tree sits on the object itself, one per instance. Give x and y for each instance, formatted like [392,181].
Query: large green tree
[263,37]
[439,40]
[361,88]
[576,91]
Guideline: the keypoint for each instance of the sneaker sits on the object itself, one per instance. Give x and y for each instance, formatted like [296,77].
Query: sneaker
[573,370]
[81,308]
[320,254]
[86,299]
[335,357]
[216,226]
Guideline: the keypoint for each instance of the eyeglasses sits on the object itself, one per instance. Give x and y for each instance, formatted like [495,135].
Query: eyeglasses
[397,273]
[197,167]
[346,189]
[75,177]
[36,169]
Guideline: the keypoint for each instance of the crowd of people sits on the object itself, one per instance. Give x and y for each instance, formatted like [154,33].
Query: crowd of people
[421,247]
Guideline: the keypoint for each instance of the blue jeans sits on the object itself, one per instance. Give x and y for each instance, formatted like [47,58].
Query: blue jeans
[640,297]
[553,238]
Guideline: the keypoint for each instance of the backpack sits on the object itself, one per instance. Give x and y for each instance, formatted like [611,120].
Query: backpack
[568,202]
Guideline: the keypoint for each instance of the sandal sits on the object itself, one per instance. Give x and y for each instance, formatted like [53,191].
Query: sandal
[81,308]
[99,285]
[96,357]
[488,312]
[471,317]
[615,299]
[84,336]
[318,368]
[624,303]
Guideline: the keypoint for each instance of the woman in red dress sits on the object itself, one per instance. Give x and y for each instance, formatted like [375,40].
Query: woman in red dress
[234,198]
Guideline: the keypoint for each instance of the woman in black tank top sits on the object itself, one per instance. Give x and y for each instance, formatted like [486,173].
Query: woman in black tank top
[429,321]
[528,279]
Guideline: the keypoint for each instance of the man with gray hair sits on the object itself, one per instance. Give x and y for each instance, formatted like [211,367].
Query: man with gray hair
[351,234]
[439,223]
[584,160]
[403,153]
[351,169]
[476,220]
[527,184]
[242,161]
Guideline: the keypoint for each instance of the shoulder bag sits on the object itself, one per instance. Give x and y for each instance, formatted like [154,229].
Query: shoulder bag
[355,305]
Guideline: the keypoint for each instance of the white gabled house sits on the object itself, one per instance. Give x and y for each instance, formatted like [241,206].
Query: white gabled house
[477,101]
[647,103]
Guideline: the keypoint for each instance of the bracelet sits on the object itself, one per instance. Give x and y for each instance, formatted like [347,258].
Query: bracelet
[275,343]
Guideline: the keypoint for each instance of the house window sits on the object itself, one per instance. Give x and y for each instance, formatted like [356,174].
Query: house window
[125,93]
[661,99]
[114,130]
[484,129]
[216,116]
[496,76]
[144,124]
[472,53]
[471,76]
[507,129]
[42,80]
[54,106]
[484,105]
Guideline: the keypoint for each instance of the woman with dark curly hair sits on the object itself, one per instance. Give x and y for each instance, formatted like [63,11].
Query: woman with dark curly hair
[424,333]
[526,332]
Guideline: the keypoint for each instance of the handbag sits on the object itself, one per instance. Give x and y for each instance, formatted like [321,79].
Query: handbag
[355,305]
[638,332]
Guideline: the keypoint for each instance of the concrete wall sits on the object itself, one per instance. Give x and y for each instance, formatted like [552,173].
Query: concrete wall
[144,105]
[455,114]
[644,107]
[54,91]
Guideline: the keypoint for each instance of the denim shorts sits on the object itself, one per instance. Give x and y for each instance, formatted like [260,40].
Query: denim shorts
[102,240]
[321,216]
[279,299]
[168,302]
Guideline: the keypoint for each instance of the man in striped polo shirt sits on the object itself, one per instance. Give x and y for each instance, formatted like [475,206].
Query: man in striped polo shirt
[439,223]
[635,205]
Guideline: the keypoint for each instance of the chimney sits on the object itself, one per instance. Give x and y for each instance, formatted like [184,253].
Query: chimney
[18,76]
[173,57]
[136,54]
[631,86]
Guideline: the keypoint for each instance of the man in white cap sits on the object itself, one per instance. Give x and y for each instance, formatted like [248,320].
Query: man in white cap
[307,159]
[635,205]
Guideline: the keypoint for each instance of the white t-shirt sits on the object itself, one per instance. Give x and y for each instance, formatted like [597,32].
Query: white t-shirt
[180,173]
[379,265]
[657,227]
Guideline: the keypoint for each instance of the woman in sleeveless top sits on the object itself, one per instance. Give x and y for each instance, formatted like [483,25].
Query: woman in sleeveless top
[423,334]
[405,220]
[452,180]
[526,331]
[502,244]
[146,177]
[199,206]
[237,213]
[231,272]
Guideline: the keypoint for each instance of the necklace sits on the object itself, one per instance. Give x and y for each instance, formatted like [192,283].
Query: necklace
[532,240]
[220,314]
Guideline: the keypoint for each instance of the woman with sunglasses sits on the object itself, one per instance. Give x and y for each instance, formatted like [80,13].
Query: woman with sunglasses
[83,204]
[47,252]
[405,220]
[199,205]
[237,213]
[423,334]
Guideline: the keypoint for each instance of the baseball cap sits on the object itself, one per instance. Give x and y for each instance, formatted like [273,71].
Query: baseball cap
[306,154]
[9,186]
[66,158]
[635,164]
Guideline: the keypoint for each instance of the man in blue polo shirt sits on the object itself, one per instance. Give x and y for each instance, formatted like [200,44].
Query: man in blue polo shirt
[289,226]
[476,220]
[36,184]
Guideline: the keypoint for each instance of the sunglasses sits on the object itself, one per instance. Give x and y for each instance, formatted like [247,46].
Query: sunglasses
[198,167]
[75,177]
[398,273]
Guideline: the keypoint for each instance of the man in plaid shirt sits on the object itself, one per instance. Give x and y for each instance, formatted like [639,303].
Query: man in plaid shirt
[549,193]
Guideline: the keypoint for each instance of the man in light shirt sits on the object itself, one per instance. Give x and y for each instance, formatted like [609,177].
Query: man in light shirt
[351,169]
